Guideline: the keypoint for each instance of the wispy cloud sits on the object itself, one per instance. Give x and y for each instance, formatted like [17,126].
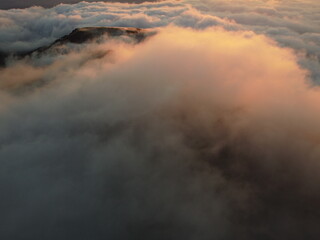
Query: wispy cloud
[209,129]
[183,139]
[293,24]
[22,29]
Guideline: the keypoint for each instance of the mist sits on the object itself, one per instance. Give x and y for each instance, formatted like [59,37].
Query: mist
[162,142]
[206,129]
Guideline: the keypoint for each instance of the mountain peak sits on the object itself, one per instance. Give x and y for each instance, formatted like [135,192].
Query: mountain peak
[81,35]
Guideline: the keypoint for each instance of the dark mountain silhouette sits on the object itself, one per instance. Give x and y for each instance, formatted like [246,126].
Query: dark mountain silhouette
[80,36]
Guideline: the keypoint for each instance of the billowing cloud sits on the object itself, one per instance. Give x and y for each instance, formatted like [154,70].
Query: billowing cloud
[186,140]
[208,129]
[293,24]
[52,3]
[21,29]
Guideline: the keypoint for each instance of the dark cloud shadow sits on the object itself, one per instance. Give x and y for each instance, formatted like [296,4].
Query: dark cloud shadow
[51,3]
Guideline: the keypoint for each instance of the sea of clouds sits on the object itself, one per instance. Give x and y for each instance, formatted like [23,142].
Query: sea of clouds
[208,129]
[293,24]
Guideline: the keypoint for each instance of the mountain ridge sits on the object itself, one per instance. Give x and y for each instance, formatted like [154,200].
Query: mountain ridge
[82,35]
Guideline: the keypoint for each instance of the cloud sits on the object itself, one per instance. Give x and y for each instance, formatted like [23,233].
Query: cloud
[197,133]
[209,135]
[22,30]
[292,24]
[52,3]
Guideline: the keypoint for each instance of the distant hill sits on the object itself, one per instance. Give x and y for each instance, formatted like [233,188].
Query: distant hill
[80,36]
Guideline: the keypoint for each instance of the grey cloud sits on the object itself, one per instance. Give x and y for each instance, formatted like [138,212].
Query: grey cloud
[27,29]
[174,138]
[51,3]
[291,23]
[162,142]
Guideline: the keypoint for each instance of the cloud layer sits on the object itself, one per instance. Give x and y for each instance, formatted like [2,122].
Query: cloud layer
[209,129]
[52,3]
[21,29]
[179,141]
[293,24]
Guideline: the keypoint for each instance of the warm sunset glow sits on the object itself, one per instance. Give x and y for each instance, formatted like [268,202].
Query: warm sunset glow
[160,120]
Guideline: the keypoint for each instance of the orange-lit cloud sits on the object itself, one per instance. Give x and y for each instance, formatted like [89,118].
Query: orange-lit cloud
[208,129]
[292,24]
[191,134]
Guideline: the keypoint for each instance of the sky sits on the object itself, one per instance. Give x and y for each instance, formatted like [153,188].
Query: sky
[208,129]
[51,3]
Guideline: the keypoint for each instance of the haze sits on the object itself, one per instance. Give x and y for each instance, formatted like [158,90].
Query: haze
[193,120]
